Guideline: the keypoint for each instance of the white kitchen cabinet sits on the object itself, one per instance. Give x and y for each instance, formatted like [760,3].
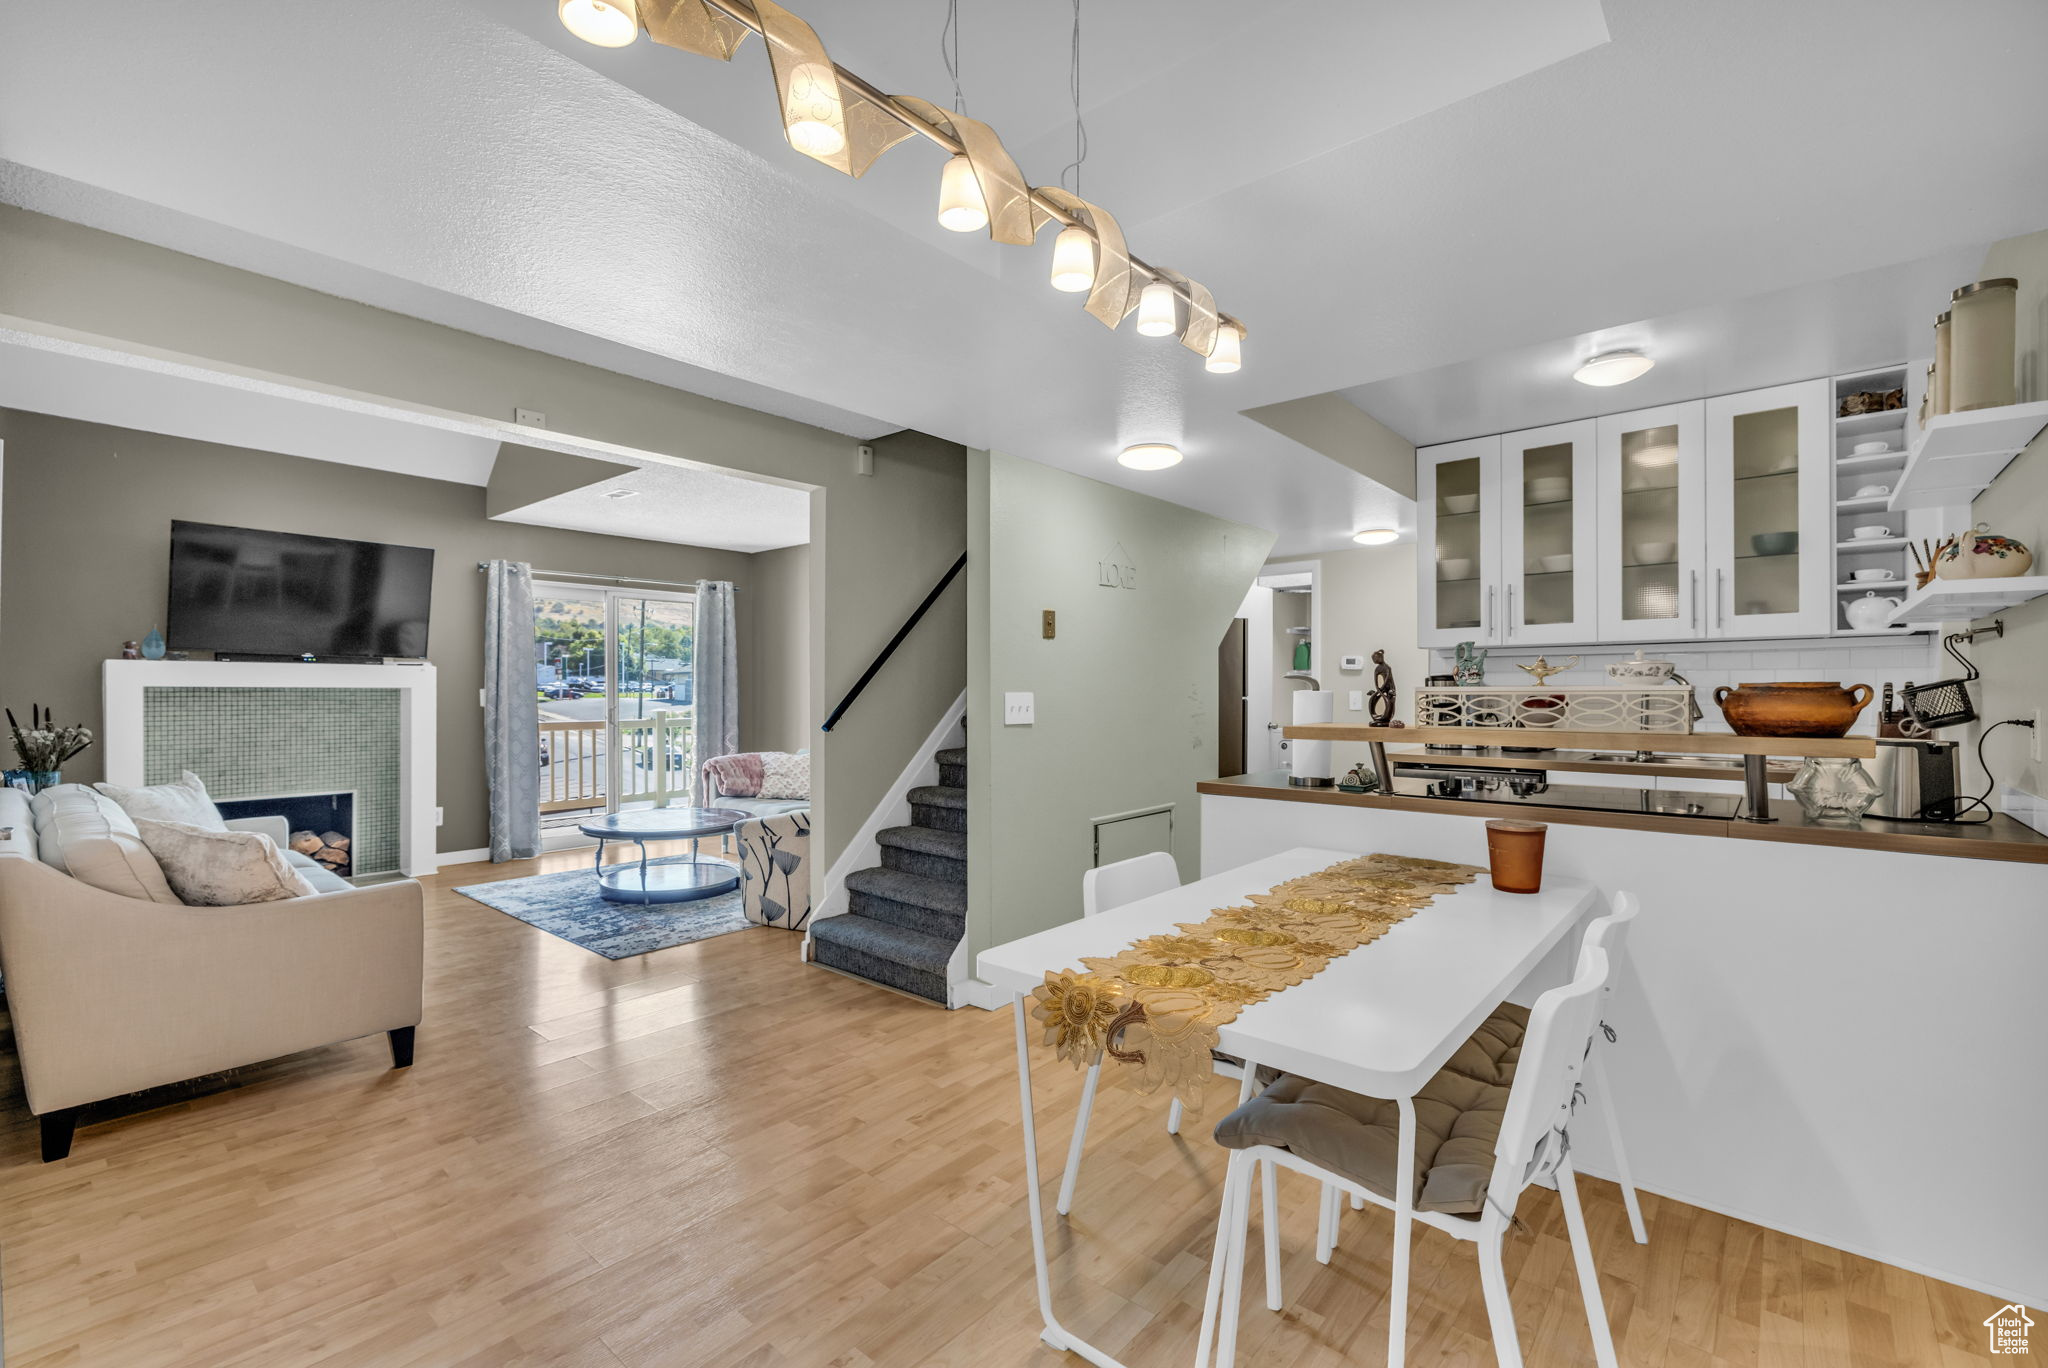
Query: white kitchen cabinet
[1548,561]
[1457,534]
[1770,513]
[1652,524]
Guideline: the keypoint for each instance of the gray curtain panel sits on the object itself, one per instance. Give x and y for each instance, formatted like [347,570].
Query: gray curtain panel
[716,711]
[511,711]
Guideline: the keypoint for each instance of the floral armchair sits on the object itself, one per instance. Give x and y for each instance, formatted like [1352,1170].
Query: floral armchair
[775,869]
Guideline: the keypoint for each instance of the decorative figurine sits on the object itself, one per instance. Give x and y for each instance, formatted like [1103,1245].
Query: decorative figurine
[1361,779]
[153,645]
[130,651]
[1382,702]
[1469,663]
[1543,669]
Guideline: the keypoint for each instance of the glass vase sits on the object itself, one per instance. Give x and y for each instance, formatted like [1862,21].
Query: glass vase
[1834,790]
[38,780]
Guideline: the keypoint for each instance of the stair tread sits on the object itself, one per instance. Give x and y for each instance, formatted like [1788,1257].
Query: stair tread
[925,840]
[953,755]
[885,940]
[939,795]
[937,895]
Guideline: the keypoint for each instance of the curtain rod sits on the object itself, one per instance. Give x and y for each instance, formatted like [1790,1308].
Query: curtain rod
[614,579]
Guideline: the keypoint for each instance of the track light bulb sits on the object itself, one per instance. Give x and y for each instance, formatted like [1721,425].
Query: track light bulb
[606,23]
[1226,355]
[1073,260]
[812,118]
[1158,314]
[961,206]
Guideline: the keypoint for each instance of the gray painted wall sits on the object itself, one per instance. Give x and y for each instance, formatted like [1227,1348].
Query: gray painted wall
[775,652]
[1125,693]
[878,542]
[85,524]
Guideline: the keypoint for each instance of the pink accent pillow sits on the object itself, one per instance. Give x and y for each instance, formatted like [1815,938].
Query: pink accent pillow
[735,776]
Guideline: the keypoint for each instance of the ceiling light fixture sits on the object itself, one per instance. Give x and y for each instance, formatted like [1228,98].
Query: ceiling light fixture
[1613,368]
[834,116]
[1073,260]
[1149,456]
[1157,311]
[1376,536]
[961,207]
[605,23]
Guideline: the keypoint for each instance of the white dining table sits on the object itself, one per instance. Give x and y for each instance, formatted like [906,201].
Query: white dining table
[1380,1020]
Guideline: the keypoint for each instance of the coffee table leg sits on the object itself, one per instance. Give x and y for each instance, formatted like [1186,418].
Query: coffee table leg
[597,860]
[643,871]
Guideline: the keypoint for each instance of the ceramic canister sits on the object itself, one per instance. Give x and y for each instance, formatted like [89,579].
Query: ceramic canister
[1981,345]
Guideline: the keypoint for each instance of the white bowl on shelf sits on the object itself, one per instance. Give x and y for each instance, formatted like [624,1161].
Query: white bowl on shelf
[1550,489]
[1877,448]
[1555,564]
[1655,553]
[1460,503]
[1456,568]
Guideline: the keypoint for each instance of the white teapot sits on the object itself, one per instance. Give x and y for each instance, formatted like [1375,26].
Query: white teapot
[1869,613]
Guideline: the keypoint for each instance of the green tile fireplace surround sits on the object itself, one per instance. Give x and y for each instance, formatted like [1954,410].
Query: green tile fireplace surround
[258,730]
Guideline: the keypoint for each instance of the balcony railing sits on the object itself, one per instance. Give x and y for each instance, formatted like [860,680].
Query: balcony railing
[655,762]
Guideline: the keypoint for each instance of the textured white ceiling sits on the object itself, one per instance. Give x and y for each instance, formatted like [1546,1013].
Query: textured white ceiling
[1532,184]
[681,504]
[1833,327]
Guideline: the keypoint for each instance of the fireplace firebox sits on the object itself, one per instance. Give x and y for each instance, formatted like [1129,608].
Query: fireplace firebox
[322,824]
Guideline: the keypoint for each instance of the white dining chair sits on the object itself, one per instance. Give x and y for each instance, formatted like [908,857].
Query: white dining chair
[1532,1144]
[1114,885]
[1610,933]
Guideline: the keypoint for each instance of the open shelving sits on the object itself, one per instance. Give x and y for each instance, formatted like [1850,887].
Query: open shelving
[1958,454]
[1964,600]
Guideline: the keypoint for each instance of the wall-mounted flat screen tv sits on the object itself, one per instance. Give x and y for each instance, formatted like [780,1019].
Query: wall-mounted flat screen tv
[237,591]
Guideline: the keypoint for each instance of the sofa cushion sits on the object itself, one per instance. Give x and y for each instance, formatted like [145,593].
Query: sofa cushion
[184,800]
[785,775]
[17,823]
[222,868]
[763,807]
[87,836]
[1457,1122]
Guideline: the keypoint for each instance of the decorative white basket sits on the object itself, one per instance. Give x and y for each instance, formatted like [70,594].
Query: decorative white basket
[1662,708]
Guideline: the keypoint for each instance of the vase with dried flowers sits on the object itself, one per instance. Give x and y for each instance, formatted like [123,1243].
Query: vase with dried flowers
[43,746]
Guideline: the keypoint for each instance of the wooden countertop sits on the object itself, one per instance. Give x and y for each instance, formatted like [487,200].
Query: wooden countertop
[2001,838]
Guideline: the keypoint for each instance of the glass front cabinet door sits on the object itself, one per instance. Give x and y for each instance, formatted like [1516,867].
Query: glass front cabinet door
[1547,564]
[1769,513]
[1652,524]
[1458,512]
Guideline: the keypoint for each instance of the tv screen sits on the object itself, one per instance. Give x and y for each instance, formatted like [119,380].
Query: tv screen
[238,591]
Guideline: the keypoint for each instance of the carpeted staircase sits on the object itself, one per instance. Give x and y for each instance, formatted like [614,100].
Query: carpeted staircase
[905,918]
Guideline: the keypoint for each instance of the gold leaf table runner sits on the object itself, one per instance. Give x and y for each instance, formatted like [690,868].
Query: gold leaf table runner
[1155,1008]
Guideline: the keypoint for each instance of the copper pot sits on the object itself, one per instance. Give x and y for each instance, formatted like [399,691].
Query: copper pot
[1803,709]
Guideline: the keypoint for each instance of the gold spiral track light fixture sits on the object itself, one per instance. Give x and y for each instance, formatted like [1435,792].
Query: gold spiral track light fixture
[837,118]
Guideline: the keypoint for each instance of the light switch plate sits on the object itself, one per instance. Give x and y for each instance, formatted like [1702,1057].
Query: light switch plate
[1357,699]
[1019,710]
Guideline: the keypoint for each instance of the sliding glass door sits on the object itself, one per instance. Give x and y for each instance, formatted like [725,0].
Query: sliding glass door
[613,667]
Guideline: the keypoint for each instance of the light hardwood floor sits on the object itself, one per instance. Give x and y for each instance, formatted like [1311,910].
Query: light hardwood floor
[714,1155]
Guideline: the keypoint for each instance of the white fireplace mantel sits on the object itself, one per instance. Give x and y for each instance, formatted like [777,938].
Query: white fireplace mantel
[125,683]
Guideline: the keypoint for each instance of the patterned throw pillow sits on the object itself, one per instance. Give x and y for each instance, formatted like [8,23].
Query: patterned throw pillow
[184,801]
[785,776]
[208,868]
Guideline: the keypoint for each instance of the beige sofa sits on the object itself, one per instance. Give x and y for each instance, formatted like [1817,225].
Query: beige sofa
[115,986]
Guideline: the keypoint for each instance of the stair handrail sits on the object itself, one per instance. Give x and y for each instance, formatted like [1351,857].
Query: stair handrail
[875,667]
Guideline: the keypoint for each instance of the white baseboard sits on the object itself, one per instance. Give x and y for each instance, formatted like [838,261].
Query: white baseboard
[864,851]
[455,857]
[974,993]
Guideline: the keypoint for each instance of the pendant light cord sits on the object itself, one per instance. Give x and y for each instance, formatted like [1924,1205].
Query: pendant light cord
[949,52]
[1074,90]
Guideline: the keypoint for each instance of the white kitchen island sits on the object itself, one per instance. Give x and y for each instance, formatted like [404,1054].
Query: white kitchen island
[1830,1038]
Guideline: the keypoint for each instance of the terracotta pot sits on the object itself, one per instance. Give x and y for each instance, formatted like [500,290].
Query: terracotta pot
[1801,709]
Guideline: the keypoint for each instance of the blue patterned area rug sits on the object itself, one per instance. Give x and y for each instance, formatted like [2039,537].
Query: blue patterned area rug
[567,905]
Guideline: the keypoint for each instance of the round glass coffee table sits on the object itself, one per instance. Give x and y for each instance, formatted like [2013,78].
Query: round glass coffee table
[677,880]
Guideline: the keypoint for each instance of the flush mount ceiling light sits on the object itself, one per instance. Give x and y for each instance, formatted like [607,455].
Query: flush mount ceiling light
[1376,536]
[1149,456]
[835,117]
[1613,368]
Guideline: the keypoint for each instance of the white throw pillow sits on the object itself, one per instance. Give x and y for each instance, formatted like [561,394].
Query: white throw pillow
[207,868]
[184,801]
[785,776]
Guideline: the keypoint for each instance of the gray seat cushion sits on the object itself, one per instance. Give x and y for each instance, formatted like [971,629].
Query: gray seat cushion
[761,807]
[1457,1122]
[323,879]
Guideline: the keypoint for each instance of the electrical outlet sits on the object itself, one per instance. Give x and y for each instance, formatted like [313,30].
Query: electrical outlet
[1357,699]
[440,816]
[1019,710]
